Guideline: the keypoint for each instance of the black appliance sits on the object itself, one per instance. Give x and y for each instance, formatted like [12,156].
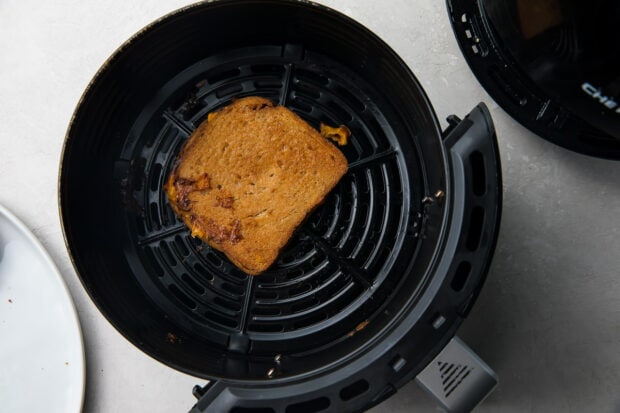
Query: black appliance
[553,65]
[373,285]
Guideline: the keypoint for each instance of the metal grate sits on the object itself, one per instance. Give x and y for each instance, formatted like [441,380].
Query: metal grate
[335,261]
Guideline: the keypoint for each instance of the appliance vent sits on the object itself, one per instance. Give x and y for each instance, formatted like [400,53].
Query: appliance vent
[452,375]
[457,378]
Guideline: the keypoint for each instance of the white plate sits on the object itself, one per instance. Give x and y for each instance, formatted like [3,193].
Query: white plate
[41,349]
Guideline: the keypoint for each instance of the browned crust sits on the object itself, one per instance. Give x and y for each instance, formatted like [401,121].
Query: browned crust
[247,178]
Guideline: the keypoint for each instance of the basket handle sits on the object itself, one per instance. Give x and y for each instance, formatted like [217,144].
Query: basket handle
[476,200]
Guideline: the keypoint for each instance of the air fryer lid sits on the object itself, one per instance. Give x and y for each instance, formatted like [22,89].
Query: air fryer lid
[553,65]
[387,266]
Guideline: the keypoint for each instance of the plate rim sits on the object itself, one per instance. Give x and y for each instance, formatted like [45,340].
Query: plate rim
[39,249]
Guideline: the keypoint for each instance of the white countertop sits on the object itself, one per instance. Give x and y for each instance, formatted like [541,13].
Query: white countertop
[548,320]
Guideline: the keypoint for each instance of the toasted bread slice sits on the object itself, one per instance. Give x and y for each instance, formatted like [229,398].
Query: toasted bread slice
[247,178]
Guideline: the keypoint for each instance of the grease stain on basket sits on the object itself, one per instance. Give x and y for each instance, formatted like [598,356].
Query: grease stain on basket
[358,328]
[172,339]
[132,182]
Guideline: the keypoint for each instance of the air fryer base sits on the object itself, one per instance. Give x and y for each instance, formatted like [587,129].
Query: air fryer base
[396,254]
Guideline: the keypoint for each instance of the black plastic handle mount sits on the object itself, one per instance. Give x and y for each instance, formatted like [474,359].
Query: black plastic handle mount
[476,191]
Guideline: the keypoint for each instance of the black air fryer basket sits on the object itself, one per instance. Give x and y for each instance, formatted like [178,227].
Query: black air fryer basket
[371,287]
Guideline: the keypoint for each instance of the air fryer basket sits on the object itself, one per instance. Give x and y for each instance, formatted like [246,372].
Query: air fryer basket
[361,273]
